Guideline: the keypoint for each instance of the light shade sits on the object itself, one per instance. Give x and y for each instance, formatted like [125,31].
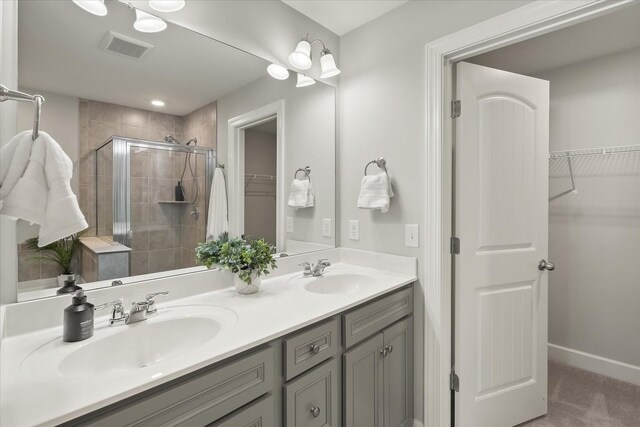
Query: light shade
[301,57]
[157,102]
[304,80]
[147,23]
[95,7]
[166,5]
[328,64]
[277,71]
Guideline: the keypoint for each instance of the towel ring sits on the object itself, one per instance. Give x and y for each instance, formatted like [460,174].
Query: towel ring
[306,170]
[380,162]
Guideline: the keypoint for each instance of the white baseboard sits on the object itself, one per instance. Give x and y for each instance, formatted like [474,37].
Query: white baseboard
[600,365]
[417,423]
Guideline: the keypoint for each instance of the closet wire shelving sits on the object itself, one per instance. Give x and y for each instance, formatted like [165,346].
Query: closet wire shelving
[252,178]
[571,154]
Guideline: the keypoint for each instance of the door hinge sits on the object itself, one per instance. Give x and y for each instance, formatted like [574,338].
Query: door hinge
[456,109]
[454,382]
[455,246]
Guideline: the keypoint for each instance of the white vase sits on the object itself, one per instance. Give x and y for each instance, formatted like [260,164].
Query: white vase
[245,288]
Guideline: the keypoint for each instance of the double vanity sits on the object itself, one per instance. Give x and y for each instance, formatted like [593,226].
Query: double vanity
[330,350]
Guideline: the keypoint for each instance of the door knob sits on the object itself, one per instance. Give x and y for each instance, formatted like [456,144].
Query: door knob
[546,265]
[315,411]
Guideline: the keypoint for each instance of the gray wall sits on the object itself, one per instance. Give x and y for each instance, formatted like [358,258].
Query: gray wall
[310,131]
[594,236]
[382,114]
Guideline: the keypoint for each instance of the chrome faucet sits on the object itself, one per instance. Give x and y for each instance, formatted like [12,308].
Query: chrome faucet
[316,270]
[138,313]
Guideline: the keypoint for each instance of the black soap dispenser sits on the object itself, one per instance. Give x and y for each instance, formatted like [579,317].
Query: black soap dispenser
[78,319]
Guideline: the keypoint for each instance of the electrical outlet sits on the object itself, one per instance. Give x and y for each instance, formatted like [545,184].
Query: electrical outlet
[412,235]
[354,229]
[326,227]
[289,224]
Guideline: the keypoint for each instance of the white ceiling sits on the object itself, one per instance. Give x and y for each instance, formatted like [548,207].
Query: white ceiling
[59,51]
[597,37]
[342,16]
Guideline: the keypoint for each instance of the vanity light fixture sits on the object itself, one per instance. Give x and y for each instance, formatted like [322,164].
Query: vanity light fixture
[278,72]
[95,7]
[304,80]
[301,58]
[147,23]
[157,103]
[166,5]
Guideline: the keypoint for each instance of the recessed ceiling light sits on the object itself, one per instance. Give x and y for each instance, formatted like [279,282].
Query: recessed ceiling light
[157,103]
[166,5]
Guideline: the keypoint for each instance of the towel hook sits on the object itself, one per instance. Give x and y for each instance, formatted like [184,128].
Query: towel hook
[306,170]
[380,162]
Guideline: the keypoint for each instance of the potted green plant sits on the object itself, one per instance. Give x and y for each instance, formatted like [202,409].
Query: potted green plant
[60,252]
[249,260]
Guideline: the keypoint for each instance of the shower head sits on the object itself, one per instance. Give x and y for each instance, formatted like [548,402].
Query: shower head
[194,140]
[171,139]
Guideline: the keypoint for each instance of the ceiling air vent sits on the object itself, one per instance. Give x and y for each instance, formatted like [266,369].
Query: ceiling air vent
[124,45]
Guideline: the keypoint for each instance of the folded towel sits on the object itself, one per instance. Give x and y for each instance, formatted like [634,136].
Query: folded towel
[375,192]
[43,193]
[217,222]
[302,194]
[14,157]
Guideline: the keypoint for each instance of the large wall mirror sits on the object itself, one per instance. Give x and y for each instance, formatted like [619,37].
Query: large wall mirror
[146,119]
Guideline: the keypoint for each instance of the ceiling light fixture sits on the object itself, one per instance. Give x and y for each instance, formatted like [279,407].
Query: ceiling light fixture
[301,58]
[278,72]
[157,103]
[304,80]
[95,7]
[147,23]
[166,5]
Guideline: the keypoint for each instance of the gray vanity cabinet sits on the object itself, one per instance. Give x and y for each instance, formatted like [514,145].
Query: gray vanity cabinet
[378,379]
[257,414]
[311,400]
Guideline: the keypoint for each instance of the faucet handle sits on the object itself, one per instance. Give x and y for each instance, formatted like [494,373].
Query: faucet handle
[324,261]
[151,308]
[117,314]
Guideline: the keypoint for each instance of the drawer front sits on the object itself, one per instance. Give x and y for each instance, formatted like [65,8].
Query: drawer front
[365,321]
[307,349]
[197,401]
[258,414]
[311,400]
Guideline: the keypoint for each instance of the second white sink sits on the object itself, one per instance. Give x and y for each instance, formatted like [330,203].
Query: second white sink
[335,282]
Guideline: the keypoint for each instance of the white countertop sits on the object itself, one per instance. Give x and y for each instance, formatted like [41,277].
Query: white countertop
[30,398]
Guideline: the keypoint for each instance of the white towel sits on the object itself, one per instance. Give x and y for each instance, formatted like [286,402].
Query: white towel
[375,192]
[217,222]
[302,194]
[43,194]
[14,157]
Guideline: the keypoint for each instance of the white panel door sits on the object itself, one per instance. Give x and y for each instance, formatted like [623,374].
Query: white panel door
[501,204]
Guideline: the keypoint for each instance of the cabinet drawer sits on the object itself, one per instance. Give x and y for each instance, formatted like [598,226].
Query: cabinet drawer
[311,400]
[307,349]
[365,321]
[198,400]
[258,414]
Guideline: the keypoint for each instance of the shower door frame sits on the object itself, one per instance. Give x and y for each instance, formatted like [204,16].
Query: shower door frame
[121,147]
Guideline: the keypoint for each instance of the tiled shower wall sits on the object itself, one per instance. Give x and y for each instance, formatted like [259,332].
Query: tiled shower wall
[164,234]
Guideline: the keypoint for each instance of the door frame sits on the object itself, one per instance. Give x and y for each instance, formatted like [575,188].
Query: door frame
[235,172]
[531,20]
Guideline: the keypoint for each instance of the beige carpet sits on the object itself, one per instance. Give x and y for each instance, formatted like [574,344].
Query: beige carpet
[580,398]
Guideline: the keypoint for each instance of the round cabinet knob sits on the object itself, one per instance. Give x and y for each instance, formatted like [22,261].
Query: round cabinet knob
[315,411]
[390,348]
[546,265]
[384,351]
[315,349]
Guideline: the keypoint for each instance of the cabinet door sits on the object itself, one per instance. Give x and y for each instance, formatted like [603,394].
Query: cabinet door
[312,398]
[256,414]
[398,367]
[363,384]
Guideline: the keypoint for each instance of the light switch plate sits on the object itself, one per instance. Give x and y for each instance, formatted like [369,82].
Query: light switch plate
[354,229]
[326,227]
[289,224]
[412,235]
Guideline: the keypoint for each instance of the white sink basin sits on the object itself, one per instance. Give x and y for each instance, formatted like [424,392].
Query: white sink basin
[335,282]
[173,332]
